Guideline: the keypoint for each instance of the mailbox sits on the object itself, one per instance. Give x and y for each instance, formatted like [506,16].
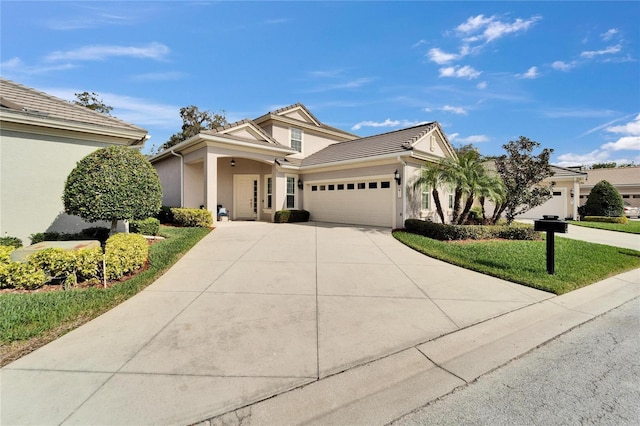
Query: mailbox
[550,224]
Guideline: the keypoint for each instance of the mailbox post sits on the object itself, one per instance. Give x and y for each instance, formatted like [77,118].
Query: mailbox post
[550,224]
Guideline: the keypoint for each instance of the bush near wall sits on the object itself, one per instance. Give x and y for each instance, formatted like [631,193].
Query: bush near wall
[192,217]
[148,226]
[445,232]
[124,254]
[290,216]
[165,215]
[11,241]
[606,219]
[95,233]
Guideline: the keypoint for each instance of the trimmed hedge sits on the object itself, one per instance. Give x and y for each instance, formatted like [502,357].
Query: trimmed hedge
[606,219]
[165,215]
[124,254]
[149,226]
[290,216]
[445,232]
[5,254]
[94,233]
[192,217]
[11,241]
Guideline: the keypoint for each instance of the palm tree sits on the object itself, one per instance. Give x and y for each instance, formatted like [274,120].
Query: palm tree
[431,176]
[464,174]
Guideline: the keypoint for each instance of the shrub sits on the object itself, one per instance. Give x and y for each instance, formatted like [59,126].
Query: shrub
[11,241]
[125,253]
[446,232]
[290,216]
[71,265]
[5,254]
[604,200]
[606,219]
[148,226]
[21,276]
[94,233]
[165,215]
[192,217]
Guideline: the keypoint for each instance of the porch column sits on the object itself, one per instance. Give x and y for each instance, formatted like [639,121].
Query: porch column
[279,190]
[576,198]
[211,184]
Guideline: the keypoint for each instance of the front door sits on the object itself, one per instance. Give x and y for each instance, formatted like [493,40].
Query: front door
[245,197]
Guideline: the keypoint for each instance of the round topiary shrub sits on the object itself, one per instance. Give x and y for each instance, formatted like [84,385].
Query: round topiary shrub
[604,200]
[115,183]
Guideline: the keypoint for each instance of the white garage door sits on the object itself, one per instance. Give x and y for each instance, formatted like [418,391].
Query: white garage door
[556,205]
[362,202]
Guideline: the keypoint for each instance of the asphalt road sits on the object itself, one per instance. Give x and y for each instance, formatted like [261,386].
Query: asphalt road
[588,376]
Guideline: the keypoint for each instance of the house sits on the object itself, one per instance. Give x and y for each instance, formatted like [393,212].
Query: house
[288,159]
[625,179]
[566,184]
[41,140]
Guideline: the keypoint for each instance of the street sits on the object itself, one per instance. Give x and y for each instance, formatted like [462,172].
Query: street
[590,375]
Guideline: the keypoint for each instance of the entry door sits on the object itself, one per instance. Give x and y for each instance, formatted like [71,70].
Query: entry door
[245,197]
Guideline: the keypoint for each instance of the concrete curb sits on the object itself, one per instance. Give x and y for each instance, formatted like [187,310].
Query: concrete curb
[385,389]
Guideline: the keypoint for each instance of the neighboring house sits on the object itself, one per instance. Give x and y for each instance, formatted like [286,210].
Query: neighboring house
[41,140]
[288,159]
[567,183]
[625,179]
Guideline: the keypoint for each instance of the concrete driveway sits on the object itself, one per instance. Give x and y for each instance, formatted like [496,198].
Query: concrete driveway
[255,309]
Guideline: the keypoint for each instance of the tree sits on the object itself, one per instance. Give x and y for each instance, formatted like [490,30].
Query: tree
[93,102]
[115,183]
[604,200]
[431,177]
[193,122]
[611,165]
[523,173]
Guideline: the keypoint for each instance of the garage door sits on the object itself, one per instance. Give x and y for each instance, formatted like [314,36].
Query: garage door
[556,205]
[362,202]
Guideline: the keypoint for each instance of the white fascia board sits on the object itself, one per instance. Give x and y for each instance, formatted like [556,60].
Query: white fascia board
[233,143]
[356,161]
[37,121]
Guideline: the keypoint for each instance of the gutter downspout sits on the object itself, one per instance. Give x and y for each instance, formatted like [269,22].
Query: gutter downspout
[403,198]
[181,176]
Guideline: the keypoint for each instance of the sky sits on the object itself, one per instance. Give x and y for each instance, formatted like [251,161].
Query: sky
[563,73]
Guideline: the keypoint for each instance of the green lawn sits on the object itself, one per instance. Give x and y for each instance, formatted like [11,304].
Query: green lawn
[42,317]
[577,263]
[631,227]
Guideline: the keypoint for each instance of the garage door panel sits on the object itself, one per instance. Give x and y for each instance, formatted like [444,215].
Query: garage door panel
[369,206]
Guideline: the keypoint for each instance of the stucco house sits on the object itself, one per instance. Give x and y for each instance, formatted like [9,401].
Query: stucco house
[41,139]
[288,159]
[625,179]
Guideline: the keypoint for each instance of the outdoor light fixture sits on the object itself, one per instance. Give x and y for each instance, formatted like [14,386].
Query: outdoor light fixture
[300,185]
[396,176]
[233,162]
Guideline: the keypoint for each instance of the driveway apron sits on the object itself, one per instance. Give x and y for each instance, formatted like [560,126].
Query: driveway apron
[253,310]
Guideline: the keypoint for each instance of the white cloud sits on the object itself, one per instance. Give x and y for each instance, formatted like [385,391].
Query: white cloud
[631,128]
[156,51]
[563,66]
[530,74]
[453,136]
[460,72]
[482,85]
[352,84]
[15,66]
[474,139]
[440,57]
[609,34]
[480,28]
[625,143]
[608,51]
[386,123]
[571,159]
[455,110]
[419,43]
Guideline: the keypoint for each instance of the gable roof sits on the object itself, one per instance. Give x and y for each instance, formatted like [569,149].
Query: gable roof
[395,142]
[615,176]
[565,172]
[246,131]
[22,101]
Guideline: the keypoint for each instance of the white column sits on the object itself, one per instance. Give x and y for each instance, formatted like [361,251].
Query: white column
[576,198]
[211,183]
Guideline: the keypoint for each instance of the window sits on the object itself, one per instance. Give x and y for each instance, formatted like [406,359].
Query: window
[296,139]
[450,201]
[269,192]
[332,187]
[323,187]
[385,184]
[557,193]
[424,197]
[341,187]
[361,186]
[291,192]
[351,186]
[373,185]
[314,187]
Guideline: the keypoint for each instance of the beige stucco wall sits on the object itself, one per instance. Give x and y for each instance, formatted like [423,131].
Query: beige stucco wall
[33,171]
[168,171]
[311,142]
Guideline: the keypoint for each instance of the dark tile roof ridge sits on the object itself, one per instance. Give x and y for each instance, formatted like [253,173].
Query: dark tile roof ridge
[566,169]
[411,140]
[84,110]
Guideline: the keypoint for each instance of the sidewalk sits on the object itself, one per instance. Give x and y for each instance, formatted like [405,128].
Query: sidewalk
[288,324]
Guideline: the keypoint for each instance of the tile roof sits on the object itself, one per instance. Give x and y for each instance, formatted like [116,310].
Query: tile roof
[615,176]
[398,141]
[268,140]
[28,101]
[564,172]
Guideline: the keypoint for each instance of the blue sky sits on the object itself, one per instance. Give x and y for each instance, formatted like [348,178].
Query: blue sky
[565,74]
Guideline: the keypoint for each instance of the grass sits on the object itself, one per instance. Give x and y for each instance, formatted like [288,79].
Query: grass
[631,227]
[577,263]
[31,320]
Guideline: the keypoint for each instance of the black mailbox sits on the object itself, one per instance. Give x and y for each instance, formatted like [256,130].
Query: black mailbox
[550,223]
